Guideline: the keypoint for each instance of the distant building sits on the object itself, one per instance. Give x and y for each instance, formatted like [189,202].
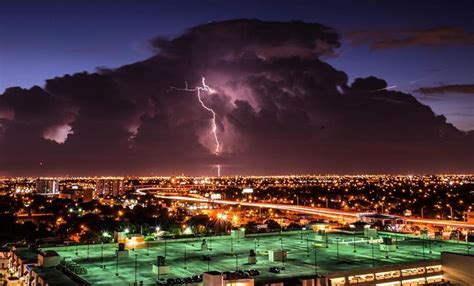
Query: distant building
[382,219]
[47,187]
[75,194]
[469,217]
[110,187]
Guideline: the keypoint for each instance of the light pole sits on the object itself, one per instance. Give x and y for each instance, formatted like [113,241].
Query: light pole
[429,245]
[136,267]
[208,259]
[307,245]
[102,255]
[297,200]
[373,256]
[327,239]
[165,247]
[88,252]
[422,211]
[282,250]
[231,244]
[316,261]
[423,242]
[185,256]
[116,263]
[354,241]
[451,211]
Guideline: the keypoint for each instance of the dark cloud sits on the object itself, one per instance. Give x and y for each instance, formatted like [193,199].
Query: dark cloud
[239,39]
[369,84]
[280,109]
[450,88]
[392,39]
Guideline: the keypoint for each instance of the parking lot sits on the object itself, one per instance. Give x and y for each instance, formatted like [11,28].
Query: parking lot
[306,256]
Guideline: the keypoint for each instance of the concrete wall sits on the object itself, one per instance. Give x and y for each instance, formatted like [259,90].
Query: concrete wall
[48,261]
[458,268]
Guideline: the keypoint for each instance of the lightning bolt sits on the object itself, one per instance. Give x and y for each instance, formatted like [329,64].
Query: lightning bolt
[198,90]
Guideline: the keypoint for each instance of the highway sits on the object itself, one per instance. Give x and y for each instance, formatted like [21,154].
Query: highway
[326,212]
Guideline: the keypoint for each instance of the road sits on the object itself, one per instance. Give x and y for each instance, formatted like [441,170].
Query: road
[326,212]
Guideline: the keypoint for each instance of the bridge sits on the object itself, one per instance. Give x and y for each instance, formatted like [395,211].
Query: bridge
[325,212]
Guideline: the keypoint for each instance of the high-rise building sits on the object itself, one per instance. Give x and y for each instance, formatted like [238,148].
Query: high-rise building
[47,186]
[109,187]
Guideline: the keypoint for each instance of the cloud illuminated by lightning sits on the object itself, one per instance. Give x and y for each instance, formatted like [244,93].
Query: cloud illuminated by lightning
[198,90]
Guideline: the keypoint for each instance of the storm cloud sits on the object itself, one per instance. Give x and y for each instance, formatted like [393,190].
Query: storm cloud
[280,109]
[393,39]
[449,88]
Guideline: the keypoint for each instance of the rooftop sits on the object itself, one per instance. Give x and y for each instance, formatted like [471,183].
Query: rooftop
[55,277]
[185,256]
[26,254]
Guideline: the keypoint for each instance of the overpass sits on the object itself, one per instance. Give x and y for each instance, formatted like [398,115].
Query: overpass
[325,212]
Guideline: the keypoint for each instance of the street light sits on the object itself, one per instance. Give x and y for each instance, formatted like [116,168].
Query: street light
[354,241]
[185,256]
[423,242]
[165,247]
[316,261]
[102,255]
[373,256]
[451,210]
[307,245]
[208,259]
[282,250]
[88,252]
[136,267]
[297,200]
[116,263]
[327,238]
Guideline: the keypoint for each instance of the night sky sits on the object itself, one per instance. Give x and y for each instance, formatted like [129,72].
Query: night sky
[286,95]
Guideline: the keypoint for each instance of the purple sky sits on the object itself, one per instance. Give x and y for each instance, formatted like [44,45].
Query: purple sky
[43,40]
[425,49]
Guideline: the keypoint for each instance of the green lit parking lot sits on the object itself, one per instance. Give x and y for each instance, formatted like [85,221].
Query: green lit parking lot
[185,256]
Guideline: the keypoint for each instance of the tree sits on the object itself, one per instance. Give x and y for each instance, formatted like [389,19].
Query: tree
[273,225]
[293,226]
[199,223]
